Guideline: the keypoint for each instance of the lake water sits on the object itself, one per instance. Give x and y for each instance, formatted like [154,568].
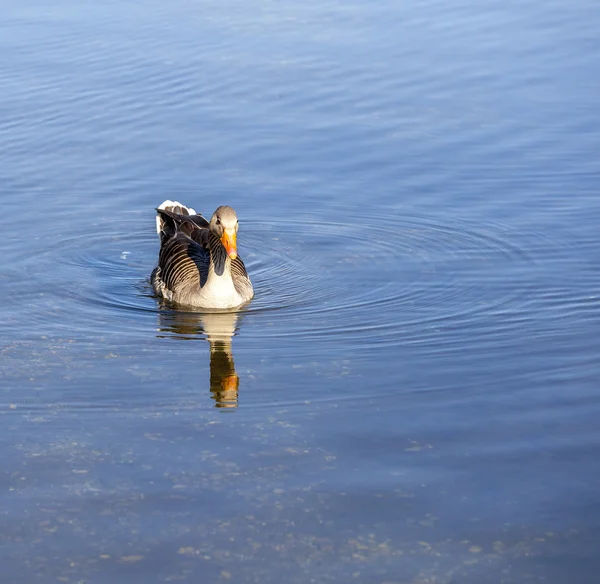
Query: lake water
[412,396]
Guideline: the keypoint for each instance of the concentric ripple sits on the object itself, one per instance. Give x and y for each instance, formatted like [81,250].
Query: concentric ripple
[382,279]
[371,280]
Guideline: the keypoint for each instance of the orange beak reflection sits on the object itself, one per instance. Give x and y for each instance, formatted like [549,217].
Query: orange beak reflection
[229,243]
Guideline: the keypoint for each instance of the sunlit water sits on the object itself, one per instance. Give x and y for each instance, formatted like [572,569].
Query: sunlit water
[412,396]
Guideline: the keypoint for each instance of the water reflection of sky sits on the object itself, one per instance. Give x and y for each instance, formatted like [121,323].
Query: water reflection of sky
[414,383]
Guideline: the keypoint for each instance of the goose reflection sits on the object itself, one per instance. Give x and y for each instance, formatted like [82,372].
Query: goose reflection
[218,328]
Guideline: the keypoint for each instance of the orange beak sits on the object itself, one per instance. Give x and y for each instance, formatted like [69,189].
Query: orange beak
[229,243]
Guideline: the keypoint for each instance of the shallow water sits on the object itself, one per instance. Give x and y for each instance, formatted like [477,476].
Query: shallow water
[412,396]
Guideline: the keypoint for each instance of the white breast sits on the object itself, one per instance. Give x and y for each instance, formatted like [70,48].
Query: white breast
[219,291]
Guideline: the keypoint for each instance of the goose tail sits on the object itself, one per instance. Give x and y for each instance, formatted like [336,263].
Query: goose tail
[174,207]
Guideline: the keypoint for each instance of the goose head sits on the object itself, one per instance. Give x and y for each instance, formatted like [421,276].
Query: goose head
[224,224]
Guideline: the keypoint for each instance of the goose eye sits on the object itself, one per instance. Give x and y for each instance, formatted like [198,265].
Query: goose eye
[218,221]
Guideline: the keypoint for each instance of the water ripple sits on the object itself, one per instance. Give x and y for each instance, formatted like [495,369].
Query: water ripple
[377,279]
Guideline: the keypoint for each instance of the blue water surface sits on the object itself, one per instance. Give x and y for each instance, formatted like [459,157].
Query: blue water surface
[412,396]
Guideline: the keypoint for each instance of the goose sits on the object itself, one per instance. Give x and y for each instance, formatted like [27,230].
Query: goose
[198,264]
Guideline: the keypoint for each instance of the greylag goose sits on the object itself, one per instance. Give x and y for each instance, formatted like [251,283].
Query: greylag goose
[198,263]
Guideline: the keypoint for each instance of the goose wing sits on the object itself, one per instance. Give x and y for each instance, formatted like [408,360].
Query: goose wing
[238,270]
[184,256]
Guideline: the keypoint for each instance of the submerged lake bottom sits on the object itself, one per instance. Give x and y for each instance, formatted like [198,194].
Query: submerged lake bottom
[330,431]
